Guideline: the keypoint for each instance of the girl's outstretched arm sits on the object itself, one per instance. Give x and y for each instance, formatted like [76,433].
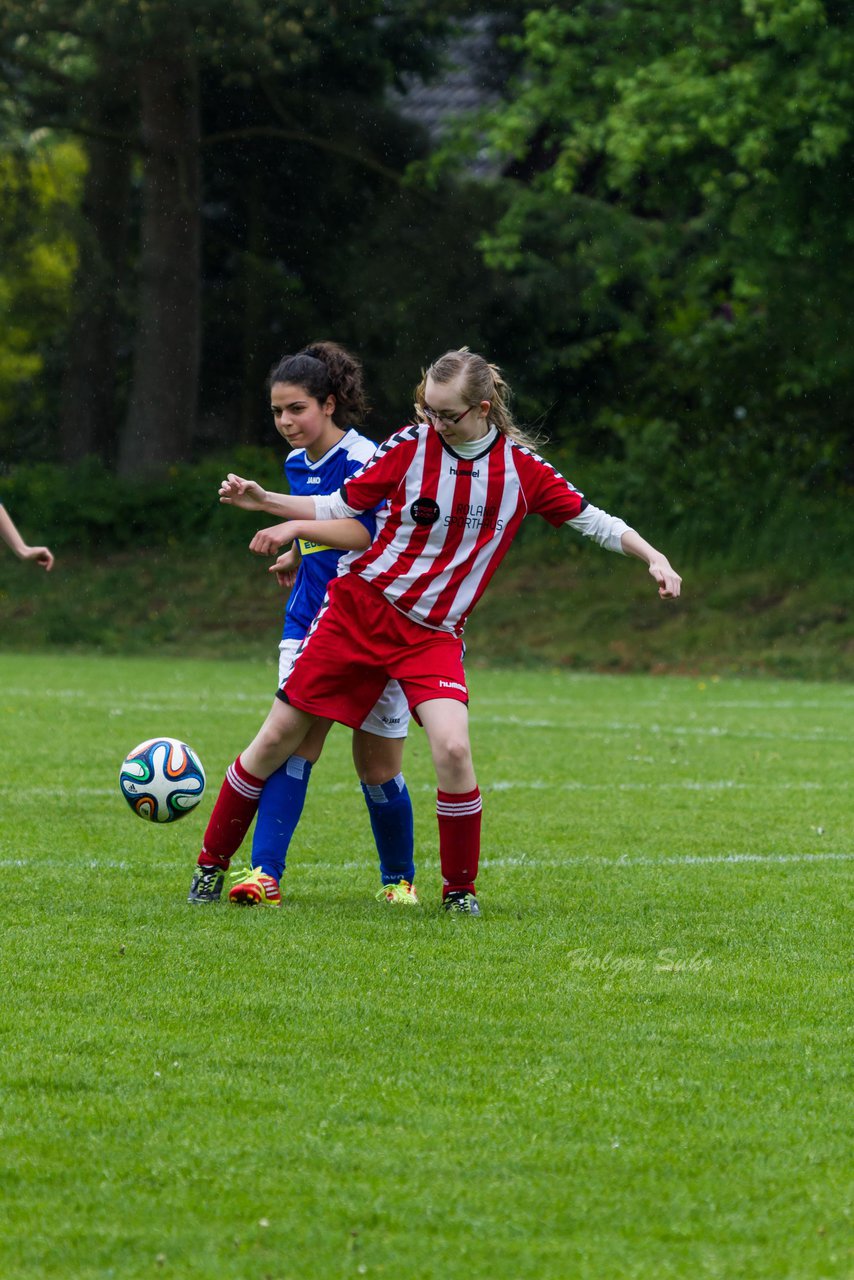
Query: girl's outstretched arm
[250,496]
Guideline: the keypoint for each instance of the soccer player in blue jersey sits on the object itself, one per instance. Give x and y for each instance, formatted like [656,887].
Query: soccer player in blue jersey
[314,396]
[8,532]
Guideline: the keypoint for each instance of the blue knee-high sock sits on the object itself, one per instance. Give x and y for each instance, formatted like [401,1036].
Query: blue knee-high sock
[279,812]
[390,809]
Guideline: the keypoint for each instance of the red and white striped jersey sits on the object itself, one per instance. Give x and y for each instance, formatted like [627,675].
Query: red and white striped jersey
[450,520]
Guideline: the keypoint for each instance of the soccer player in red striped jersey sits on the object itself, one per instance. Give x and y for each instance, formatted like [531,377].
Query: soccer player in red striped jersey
[457,483]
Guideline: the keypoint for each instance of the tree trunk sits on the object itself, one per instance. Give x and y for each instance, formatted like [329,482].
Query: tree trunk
[255,347]
[162,410]
[88,393]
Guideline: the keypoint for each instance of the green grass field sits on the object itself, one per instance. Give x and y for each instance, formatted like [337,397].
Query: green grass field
[637,1064]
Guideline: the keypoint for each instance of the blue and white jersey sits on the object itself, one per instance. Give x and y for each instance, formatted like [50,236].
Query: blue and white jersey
[319,564]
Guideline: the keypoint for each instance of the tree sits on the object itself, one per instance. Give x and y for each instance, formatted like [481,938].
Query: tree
[103,294]
[679,206]
[166,354]
[130,77]
[40,188]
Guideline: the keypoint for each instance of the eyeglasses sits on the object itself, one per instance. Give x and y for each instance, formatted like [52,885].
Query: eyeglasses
[433,416]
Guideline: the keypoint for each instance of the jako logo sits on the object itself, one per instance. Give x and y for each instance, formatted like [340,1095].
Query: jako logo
[313,480]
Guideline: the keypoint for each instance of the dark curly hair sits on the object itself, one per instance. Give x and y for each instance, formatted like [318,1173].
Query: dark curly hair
[325,369]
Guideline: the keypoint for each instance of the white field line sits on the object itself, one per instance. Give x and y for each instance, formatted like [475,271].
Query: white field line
[701,704]
[725,784]
[166,704]
[60,793]
[777,704]
[604,730]
[677,860]
[189,698]
[521,860]
[508,784]
[685,784]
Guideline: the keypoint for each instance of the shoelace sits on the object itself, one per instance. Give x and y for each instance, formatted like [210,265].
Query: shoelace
[400,890]
[208,876]
[252,875]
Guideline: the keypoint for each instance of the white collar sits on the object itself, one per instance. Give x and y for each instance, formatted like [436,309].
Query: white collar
[474,448]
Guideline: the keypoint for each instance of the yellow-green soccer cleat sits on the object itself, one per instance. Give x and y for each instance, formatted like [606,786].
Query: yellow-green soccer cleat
[254,888]
[401,894]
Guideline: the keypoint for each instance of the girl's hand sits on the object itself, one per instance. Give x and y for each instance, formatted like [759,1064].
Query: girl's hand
[286,568]
[237,492]
[267,541]
[669,582]
[41,555]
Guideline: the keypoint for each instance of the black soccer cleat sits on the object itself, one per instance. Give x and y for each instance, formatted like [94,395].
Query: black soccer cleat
[460,903]
[207,884]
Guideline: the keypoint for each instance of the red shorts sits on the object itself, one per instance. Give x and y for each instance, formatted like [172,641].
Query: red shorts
[357,643]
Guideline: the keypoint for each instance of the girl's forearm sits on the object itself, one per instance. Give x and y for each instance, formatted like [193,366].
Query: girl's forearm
[10,535]
[634,545]
[660,568]
[288,505]
[344,535]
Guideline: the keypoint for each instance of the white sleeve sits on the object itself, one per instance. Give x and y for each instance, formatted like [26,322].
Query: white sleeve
[331,506]
[606,530]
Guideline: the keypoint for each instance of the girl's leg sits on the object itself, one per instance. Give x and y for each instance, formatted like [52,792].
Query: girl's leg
[279,735]
[458,804]
[376,759]
[282,731]
[282,802]
[379,763]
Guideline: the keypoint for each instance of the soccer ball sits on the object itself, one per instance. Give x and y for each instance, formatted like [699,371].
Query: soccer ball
[162,779]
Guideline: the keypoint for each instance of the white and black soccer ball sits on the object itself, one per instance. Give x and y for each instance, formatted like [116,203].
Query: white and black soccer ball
[162,779]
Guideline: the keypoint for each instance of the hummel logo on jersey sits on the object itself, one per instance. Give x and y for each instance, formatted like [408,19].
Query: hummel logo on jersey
[459,471]
[452,684]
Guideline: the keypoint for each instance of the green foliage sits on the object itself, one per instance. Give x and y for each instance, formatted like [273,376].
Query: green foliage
[666,250]
[86,507]
[39,189]
[348,253]
[680,201]
[287,77]
[634,1065]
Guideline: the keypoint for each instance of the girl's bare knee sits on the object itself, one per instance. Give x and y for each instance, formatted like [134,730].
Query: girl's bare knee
[454,755]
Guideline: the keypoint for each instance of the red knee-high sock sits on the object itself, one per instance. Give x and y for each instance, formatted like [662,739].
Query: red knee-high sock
[459,838]
[236,806]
